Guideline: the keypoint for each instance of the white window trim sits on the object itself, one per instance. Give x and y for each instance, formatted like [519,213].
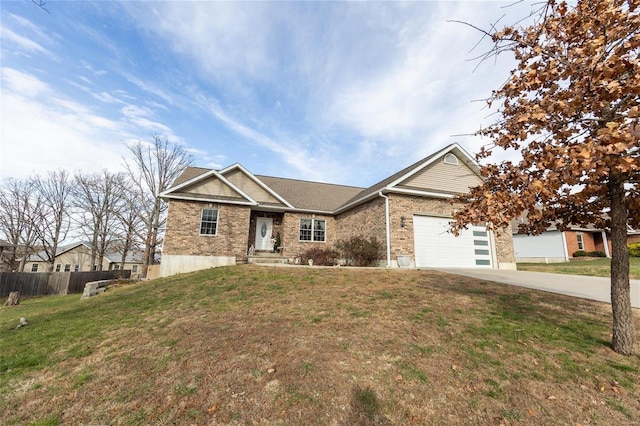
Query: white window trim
[313,229]
[451,159]
[580,241]
[34,267]
[217,222]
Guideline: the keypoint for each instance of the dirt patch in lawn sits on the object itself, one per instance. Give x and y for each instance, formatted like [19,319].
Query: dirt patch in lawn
[262,345]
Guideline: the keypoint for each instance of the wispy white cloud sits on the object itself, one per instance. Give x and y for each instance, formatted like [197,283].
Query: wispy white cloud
[315,90]
[44,129]
[221,38]
[21,42]
[27,84]
[86,65]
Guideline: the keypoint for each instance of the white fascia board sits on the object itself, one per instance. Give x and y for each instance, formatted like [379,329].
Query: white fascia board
[72,247]
[327,213]
[167,194]
[257,181]
[420,193]
[210,200]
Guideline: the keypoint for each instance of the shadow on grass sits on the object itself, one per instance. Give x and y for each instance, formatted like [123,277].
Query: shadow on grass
[365,409]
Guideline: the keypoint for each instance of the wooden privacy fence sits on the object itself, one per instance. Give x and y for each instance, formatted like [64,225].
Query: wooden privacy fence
[41,283]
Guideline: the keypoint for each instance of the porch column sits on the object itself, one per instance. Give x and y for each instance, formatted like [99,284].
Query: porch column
[605,243]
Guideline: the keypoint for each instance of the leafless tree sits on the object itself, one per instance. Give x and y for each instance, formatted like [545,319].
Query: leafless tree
[154,167]
[52,220]
[41,4]
[17,208]
[128,226]
[98,199]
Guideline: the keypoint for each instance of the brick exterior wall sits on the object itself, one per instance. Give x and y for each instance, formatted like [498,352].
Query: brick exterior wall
[366,220]
[236,232]
[293,247]
[592,241]
[182,236]
[504,247]
[572,242]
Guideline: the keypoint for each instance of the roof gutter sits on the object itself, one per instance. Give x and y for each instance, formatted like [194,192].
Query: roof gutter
[387,227]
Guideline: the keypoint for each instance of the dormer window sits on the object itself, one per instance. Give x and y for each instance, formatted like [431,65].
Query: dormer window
[451,159]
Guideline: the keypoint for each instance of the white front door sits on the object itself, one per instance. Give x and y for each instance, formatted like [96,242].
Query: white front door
[264,228]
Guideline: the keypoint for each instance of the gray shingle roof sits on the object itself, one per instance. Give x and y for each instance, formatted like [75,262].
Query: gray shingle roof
[134,256]
[316,196]
[188,174]
[311,195]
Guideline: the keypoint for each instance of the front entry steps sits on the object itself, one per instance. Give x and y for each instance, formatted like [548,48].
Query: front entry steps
[267,257]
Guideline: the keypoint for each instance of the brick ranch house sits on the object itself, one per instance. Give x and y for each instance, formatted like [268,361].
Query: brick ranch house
[558,246]
[218,217]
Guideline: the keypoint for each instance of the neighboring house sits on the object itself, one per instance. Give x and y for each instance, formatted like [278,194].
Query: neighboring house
[633,236]
[77,258]
[218,217]
[559,246]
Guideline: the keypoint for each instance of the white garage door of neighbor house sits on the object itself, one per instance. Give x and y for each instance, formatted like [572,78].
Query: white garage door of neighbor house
[436,247]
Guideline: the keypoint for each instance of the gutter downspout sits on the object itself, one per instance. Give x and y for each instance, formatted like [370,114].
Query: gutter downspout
[387,227]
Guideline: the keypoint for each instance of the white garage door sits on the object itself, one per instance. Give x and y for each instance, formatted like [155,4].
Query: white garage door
[436,247]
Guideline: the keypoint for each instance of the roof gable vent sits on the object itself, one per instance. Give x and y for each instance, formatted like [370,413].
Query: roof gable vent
[451,159]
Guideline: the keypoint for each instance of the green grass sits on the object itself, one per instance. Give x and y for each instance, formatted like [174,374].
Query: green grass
[365,402]
[595,267]
[301,346]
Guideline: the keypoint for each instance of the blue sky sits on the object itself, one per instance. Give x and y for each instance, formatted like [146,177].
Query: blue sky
[336,92]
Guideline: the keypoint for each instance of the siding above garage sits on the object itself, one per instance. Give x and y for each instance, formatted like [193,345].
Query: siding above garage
[440,176]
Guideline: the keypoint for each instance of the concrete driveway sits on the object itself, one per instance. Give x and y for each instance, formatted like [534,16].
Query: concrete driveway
[592,288]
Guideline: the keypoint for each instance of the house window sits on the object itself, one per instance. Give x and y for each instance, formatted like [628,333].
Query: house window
[451,159]
[58,266]
[95,267]
[312,230]
[116,267]
[134,268]
[580,242]
[34,267]
[209,222]
[67,267]
[76,268]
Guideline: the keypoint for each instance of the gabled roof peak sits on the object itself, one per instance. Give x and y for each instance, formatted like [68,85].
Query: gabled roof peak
[322,197]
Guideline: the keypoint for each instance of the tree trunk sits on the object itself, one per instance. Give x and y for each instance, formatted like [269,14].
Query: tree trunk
[14,299]
[624,334]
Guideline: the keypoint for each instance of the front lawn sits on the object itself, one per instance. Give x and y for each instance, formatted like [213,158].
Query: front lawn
[595,267]
[314,346]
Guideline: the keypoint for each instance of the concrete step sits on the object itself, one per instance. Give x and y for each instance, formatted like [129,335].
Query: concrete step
[267,258]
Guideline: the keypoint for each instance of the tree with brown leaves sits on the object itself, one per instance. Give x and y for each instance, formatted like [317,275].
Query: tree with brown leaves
[570,109]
